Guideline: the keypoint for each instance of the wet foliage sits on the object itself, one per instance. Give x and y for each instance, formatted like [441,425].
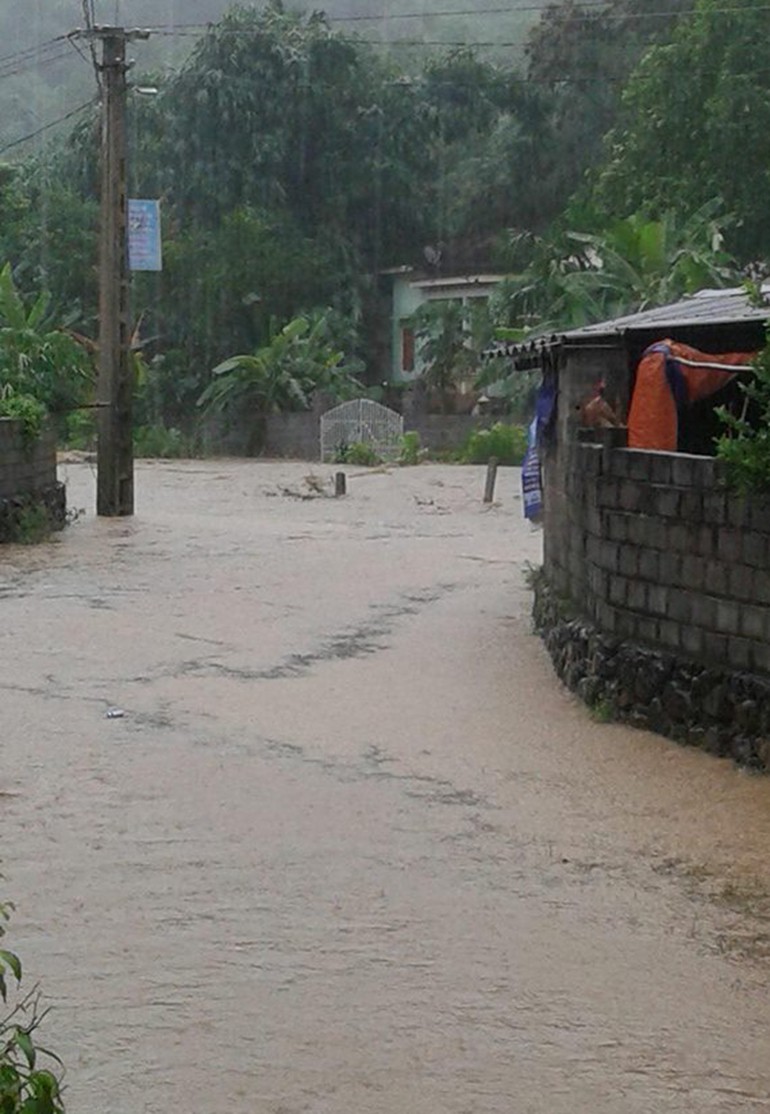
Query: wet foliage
[26,1085]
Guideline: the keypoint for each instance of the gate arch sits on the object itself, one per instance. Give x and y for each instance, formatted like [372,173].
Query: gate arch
[361,421]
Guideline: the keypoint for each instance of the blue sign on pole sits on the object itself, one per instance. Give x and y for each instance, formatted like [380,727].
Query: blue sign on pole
[144,243]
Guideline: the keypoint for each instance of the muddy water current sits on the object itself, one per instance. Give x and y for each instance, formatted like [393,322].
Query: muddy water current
[352,849]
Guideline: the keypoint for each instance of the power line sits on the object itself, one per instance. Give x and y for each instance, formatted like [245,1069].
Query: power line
[19,54]
[48,126]
[34,64]
[585,11]
[90,18]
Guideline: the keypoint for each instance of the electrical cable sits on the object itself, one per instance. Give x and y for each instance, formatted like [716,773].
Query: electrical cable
[588,10]
[19,54]
[89,15]
[48,126]
[34,64]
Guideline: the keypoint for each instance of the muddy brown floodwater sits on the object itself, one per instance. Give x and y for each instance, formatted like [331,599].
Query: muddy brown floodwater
[352,849]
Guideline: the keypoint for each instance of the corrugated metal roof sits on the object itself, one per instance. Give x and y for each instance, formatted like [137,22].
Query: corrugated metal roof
[707,307]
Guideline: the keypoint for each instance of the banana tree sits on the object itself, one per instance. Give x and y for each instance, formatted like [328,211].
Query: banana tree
[284,374]
[37,358]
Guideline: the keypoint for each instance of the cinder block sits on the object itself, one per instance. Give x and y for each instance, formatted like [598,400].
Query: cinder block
[691,506]
[692,640]
[666,501]
[631,496]
[705,472]
[738,513]
[608,492]
[706,538]
[759,514]
[593,521]
[648,531]
[740,582]
[609,556]
[760,657]
[647,630]
[638,464]
[693,571]
[617,526]
[629,560]
[715,648]
[679,605]
[729,544]
[716,577]
[670,567]
[761,586]
[609,622]
[594,579]
[617,590]
[679,537]
[661,467]
[670,633]
[728,619]
[683,470]
[703,610]
[649,564]
[715,507]
[636,595]
[590,460]
[657,599]
[620,464]
[756,549]
[754,622]
[625,623]
[739,653]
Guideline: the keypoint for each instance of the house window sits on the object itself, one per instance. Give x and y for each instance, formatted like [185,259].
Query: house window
[407,348]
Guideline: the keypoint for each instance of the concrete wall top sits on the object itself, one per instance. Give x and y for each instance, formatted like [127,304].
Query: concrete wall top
[25,468]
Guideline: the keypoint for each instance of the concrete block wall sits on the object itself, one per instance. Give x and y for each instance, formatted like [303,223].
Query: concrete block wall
[654,548]
[25,469]
[298,435]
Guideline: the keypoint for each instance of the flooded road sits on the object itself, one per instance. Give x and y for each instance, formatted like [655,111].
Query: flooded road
[352,849]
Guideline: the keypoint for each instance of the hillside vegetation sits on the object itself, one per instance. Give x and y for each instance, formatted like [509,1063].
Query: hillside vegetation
[617,159]
[30,97]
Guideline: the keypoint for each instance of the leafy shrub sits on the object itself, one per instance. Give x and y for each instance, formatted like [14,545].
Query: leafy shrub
[506,442]
[745,445]
[25,1087]
[359,454]
[36,357]
[410,448]
[32,524]
[155,441]
[80,430]
[25,409]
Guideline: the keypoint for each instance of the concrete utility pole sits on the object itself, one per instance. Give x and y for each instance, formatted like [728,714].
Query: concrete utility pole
[115,453]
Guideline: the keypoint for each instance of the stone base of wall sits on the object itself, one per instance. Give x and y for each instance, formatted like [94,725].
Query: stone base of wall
[53,498]
[725,713]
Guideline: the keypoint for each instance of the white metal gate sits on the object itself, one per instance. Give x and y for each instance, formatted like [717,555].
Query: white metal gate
[361,422]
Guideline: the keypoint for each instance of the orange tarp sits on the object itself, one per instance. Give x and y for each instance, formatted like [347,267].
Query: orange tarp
[669,377]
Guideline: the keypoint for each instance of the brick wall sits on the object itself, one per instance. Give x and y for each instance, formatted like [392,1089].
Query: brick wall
[25,469]
[652,547]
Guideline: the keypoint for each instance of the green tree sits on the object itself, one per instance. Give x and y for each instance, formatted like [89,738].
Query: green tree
[580,58]
[575,277]
[299,360]
[745,444]
[694,123]
[36,358]
[450,338]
